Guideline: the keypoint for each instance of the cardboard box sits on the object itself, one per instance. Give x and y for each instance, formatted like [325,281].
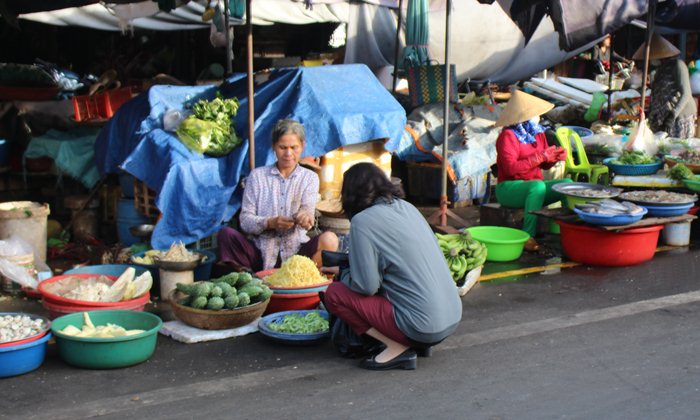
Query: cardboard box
[336,162]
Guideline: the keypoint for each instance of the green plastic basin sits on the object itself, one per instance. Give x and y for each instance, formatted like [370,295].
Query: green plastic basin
[108,353]
[502,243]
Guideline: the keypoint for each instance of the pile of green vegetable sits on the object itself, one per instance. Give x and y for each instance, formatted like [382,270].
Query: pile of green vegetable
[310,323]
[462,252]
[211,129]
[679,172]
[635,157]
[232,291]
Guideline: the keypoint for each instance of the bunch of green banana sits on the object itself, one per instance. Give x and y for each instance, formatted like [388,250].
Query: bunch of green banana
[462,252]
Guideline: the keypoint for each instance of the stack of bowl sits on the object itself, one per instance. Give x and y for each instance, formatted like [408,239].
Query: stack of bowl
[58,305]
[22,356]
[293,298]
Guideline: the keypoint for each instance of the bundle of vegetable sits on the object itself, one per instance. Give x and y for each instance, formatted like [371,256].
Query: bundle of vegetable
[611,207]
[635,157]
[210,129]
[679,172]
[89,330]
[462,252]
[310,323]
[232,291]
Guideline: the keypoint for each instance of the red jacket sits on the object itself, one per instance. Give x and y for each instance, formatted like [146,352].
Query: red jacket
[512,160]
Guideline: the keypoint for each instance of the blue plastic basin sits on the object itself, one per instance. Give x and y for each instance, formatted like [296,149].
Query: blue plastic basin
[609,219]
[23,358]
[668,211]
[294,339]
[106,269]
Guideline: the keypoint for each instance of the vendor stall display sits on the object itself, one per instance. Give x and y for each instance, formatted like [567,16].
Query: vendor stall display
[583,192]
[296,327]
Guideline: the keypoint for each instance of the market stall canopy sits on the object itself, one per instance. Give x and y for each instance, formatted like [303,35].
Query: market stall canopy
[338,105]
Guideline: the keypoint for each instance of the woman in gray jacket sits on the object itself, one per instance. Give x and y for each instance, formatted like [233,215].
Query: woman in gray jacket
[397,288]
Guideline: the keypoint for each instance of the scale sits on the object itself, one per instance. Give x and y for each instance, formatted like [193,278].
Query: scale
[173,272]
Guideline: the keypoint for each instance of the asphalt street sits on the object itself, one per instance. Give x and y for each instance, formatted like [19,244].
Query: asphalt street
[585,343]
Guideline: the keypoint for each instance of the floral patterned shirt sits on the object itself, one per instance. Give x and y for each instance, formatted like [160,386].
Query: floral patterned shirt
[268,194]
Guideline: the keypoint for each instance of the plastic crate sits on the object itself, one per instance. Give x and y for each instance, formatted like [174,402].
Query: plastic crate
[144,200]
[209,243]
[100,106]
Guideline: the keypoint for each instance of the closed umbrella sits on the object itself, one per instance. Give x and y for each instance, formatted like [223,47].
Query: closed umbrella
[416,51]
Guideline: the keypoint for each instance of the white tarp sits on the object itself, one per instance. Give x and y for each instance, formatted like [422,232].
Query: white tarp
[486,44]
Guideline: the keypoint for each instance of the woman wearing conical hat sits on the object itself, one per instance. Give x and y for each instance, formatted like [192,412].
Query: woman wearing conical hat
[673,108]
[522,154]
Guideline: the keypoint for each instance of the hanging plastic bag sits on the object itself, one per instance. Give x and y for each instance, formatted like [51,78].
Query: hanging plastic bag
[641,138]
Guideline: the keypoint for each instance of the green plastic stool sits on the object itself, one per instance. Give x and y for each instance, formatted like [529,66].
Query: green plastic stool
[575,170]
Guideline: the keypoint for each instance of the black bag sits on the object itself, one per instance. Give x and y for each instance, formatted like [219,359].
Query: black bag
[348,343]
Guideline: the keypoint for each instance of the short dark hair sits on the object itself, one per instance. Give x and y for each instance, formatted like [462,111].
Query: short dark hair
[363,184]
[287,126]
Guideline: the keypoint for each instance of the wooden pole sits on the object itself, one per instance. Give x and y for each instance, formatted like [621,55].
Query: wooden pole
[397,48]
[651,11]
[251,86]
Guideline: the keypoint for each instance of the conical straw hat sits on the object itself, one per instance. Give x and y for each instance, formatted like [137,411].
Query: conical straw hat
[660,48]
[522,107]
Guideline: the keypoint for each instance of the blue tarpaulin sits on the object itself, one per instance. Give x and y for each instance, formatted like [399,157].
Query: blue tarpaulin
[338,105]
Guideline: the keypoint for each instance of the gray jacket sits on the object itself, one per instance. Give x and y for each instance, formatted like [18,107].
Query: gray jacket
[394,252]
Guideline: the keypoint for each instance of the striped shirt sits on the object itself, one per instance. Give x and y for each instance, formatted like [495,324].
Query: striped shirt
[268,194]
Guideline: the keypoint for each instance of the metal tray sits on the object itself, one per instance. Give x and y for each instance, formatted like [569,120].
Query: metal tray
[571,188]
[629,196]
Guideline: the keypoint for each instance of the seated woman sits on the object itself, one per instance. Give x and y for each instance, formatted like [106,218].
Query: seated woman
[398,288]
[278,208]
[673,107]
[522,153]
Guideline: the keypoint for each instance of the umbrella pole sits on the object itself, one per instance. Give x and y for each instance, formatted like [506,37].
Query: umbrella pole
[445,118]
[396,49]
[651,11]
[229,56]
[610,78]
[251,88]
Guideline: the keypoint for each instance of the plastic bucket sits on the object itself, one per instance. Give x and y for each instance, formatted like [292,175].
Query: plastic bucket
[677,234]
[26,261]
[595,246]
[27,220]
[127,216]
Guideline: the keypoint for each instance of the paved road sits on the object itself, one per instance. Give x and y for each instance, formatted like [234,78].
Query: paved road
[585,343]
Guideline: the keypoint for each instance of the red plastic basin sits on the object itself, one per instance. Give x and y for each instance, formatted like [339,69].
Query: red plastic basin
[59,309]
[59,301]
[595,246]
[290,302]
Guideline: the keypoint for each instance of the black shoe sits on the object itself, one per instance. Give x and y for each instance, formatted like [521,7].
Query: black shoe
[424,351]
[406,360]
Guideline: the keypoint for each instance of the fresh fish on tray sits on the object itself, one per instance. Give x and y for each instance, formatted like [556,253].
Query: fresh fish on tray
[658,197]
[610,207]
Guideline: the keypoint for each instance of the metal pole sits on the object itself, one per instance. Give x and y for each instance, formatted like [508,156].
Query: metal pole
[229,56]
[446,117]
[251,86]
[610,77]
[651,10]
[397,48]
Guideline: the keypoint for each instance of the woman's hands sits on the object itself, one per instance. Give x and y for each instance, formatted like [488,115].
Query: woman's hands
[304,219]
[282,223]
[553,154]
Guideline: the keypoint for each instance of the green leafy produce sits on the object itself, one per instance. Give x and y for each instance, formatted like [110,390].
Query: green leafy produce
[216,303]
[634,158]
[310,323]
[243,300]
[200,302]
[210,129]
[679,172]
[231,302]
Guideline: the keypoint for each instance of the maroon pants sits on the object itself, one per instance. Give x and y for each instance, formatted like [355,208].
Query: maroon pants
[362,312]
[240,252]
